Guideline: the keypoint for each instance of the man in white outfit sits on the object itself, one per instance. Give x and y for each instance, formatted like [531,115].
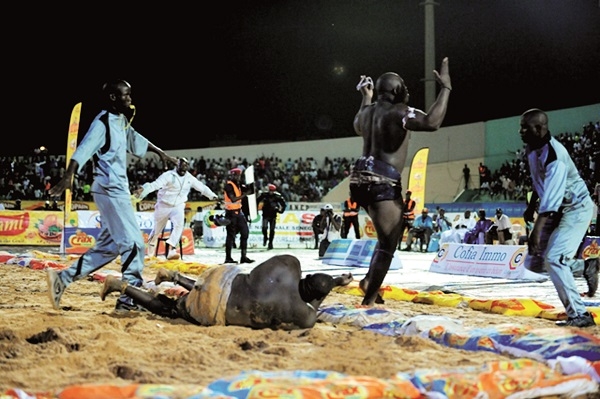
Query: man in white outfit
[173,188]
[459,228]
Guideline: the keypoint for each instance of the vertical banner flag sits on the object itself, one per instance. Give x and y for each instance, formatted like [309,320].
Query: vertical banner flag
[416,178]
[71,146]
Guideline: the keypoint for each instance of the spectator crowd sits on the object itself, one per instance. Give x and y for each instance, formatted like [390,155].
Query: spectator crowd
[29,177]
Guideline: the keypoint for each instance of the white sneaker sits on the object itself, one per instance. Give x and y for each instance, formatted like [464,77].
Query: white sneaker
[55,288]
[173,256]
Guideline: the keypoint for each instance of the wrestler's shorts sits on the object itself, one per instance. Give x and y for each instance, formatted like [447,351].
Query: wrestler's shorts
[372,181]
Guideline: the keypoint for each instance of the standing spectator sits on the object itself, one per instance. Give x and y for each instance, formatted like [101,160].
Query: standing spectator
[350,218]
[408,216]
[564,214]
[197,225]
[272,204]
[173,187]
[500,229]
[331,225]
[385,127]
[234,192]
[316,226]
[108,140]
[467,176]
[596,197]
[484,175]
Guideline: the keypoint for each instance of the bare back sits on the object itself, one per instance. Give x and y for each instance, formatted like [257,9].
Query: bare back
[384,137]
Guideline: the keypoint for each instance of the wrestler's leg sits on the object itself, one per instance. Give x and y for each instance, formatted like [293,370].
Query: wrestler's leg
[160,305]
[173,276]
[386,217]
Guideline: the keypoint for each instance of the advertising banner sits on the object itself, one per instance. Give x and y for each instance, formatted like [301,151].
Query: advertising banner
[501,261]
[355,253]
[25,227]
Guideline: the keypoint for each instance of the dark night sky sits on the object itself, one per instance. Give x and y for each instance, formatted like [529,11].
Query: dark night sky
[287,70]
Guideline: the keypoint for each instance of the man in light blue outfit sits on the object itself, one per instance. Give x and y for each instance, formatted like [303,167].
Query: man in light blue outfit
[421,229]
[564,214]
[108,140]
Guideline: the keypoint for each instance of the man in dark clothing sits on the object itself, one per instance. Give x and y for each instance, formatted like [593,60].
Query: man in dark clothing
[375,182]
[317,226]
[350,218]
[234,193]
[408,216]
[272,204]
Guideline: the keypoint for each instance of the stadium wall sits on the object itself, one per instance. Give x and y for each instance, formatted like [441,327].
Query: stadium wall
[491,142]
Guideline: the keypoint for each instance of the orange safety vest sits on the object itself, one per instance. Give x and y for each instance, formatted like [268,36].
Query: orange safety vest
[410,213]
[229,204]
[353,207]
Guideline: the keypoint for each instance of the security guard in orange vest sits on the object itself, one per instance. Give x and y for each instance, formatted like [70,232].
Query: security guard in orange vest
[234,193]
[351,209]
[408,215]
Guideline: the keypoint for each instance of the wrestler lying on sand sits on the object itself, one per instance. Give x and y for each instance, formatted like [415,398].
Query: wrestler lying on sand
[273,295]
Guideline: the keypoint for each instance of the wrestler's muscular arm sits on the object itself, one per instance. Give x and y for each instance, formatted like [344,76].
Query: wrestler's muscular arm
[433,119]
[367,97]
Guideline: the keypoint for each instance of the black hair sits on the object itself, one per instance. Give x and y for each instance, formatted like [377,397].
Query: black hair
[112,86]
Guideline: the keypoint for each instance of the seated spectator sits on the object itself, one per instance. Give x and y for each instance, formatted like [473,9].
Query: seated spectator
[459,228]
[477,234]
[422,230]
[500,230]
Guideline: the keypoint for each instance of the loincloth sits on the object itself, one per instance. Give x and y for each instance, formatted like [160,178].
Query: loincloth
[207,302]
[372,180]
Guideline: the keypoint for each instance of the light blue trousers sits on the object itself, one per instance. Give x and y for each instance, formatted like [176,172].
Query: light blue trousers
[120,234]
[561,251]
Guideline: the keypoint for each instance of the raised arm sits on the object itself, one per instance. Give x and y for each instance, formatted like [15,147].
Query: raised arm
[432,120]
[365,86]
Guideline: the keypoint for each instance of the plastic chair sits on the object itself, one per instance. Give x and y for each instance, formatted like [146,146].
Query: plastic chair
[164,239]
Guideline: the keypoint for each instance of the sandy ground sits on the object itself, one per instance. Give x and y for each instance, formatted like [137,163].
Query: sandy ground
[42,349]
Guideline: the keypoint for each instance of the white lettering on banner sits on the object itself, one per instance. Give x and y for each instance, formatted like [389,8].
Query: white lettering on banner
[91,219]
[504,261]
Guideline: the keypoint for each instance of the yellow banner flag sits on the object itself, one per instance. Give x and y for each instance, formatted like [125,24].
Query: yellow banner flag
[71,146]
[417,177]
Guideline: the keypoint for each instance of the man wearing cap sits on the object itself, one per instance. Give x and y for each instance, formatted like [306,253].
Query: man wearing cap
[173,188]
[500,230]
[272,204]
[234,193]
[422,229]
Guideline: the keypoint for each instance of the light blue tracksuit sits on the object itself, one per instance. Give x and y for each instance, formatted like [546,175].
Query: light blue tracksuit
[120,233]
[561,189]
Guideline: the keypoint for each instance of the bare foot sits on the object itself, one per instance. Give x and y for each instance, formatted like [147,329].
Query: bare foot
[363,284]
[164,275]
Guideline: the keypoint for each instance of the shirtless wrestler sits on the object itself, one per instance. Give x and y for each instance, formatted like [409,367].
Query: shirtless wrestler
[375,181]
[273,295]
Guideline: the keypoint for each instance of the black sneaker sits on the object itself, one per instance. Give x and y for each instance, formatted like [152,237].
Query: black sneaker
[126,307]
[590,273]
[264,241]
[585,320]
[245,259]
[229,260]
[270,246]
